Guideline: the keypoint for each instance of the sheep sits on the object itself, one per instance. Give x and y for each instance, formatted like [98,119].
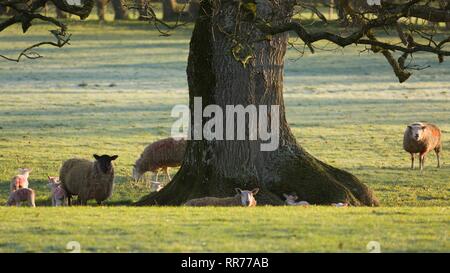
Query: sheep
[422,138]
[87,179]
[21,195]
[242,198]
[20,180]
[160,155]
[59,195]
[292,198]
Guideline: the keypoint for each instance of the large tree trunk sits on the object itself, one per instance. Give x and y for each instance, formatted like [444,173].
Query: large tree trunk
[215,168]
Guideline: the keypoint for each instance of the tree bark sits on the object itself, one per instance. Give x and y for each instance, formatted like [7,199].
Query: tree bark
[215,168]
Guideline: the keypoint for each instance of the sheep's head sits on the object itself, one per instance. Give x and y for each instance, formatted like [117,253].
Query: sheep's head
[53,181]
[247,197]
[137,175]
[24,171]
[290,198]
[105,162]
[417,131]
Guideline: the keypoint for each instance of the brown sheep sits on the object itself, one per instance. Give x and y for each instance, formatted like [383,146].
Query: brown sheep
[242,198]
[160,155]
[88,180]
[421,138]
[22,195]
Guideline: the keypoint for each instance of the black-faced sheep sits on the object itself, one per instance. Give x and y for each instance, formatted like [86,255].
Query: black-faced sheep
[22,195]
[242,198]
[89,180]
[160,155]
[20,180]
[421,138]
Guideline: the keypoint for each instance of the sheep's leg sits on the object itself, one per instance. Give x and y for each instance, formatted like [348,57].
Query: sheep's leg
[437,150]
[422,161]
[156,175]
[412,161]
[99,202]
[166,170]
[69,200]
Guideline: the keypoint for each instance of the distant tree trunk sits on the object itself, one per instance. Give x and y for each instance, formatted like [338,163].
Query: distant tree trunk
[101,9]
[169,10]
[215,168]
[61,14]
[120,12]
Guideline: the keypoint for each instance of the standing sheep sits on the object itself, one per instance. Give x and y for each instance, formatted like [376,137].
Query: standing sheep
[59,195]
[160,155]
[421,138]
[242,198]
[22,195]
[88,180]
[20,180]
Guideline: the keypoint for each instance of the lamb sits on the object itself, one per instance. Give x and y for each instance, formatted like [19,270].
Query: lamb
[292,198]
[422,138]
[242,198]
[58,193]
[160,155]
[20,180]
[155,186]
[22,195]
[88,180]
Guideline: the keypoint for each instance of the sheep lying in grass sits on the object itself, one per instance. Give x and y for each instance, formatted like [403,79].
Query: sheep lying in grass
[22,195]
[158,156]
[59,195]
[242,198]
[421,138]
[20,180]
[88,180]
[291,200]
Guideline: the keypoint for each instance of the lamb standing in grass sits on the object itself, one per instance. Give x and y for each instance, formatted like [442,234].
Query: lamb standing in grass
[21,180]
[88,180]
[242,198]
[22,195]
[421,138]
[160,155]
[59,195]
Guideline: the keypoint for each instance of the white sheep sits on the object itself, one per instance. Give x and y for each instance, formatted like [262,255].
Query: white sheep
[242,198]
[59,195]
[20,180]
[291,200]
[160,155]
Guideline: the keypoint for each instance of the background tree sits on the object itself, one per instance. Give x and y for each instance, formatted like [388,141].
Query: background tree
[236,57]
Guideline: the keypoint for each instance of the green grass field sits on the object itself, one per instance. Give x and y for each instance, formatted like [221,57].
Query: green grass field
[111,91]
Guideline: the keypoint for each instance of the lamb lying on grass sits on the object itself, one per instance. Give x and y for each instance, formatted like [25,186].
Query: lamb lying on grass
[21,180]
[59,195]
[22,195]
[160,155]
[88,180]
[291,200]
[242,198]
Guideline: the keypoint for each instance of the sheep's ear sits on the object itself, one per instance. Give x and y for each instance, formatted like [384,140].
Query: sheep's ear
[255,191]
[114,157]
[238,190]
[423,127]
[285,195]
[409,127]
[49,177]
[96,156]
